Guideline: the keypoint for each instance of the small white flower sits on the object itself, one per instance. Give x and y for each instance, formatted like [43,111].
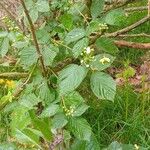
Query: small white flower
[88,50]
[81,61]
[87,66]
[136,147]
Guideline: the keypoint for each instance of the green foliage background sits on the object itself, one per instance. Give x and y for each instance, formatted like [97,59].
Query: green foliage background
[74,103]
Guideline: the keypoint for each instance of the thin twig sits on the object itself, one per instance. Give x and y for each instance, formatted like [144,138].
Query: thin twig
[116,5]
[13,75]
[135,35]
[129,28]
[60,43]
[35,39]
[136,9]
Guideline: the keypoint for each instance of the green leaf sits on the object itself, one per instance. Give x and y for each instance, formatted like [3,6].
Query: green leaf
[97,65]
[29,4]
[106,45]
[29,101]
[51,110]
[42,6]
[8,146]
[78,145]
[34,14]
[93,144]
[45,93]
[41,125]
[92,27]
[80,110]
[75,35]
[86,145]
[3,34]
[80,128]
[73,99]
[10,107]
[4,47]
[70,78]
[119,146]
[19,119]
[67,20]
[77,8]
[43,36]
[6,99]
[28,56]
[20,44]
[59,121]
[49,54]
[116,146]
[97,7]
[103,85]
[79,46]
[114,17]
[27,135]
[66,135]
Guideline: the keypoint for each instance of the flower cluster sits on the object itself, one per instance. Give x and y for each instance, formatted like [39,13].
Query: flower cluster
[105,60]
[7,83]
[103,26]
[70,111]
[87,56]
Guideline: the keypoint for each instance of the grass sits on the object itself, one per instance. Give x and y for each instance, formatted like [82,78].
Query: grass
[120,121]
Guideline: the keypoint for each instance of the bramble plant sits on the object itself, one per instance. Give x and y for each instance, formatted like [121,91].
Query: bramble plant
[58,45]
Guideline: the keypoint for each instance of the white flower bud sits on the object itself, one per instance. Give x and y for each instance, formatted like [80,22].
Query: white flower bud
[81,61]
[88,50]
[87,65]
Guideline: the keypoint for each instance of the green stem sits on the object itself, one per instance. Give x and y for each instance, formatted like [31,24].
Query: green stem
[126,102]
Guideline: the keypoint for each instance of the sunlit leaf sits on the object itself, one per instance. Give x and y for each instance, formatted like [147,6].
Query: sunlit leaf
[75,35]
[97,7]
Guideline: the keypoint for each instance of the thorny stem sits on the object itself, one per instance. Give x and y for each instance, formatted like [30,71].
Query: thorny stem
[44,71]
[60,43]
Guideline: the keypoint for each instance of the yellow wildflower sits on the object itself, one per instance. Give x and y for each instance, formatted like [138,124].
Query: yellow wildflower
[104,60]
[10,84]
[2,81]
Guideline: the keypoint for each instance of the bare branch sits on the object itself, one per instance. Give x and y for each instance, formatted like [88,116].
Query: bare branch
[116,4]
[129,28]
[136,9]
[135,35]
[13,75]
[135,45]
